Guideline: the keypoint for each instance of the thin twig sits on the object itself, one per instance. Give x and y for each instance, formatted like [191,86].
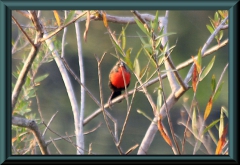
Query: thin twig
[102,107]
[56,146]
[127,116]
[153,81]
[62,27]
[49,122]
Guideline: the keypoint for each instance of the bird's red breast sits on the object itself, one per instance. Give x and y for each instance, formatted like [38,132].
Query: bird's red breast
[116,76]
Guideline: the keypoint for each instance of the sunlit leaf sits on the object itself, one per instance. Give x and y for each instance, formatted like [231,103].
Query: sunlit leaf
[69,17]
[105,22]
[224,110]
[57,17]
[208,108]
[136,67]
[163,132]
[199,60]
[40,78]
[194,78]
[199,68]
[155,22]
[210,28]
[221,141]
[216,16]
[86,26]
[221,125]
[207,69]
[159,100]
[123,38]
[142,27]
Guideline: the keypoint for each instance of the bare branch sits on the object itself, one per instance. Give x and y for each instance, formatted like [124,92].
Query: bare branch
[28,63]
[31,124]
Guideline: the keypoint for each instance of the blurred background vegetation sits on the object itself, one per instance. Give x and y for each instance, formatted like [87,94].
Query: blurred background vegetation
[191,34]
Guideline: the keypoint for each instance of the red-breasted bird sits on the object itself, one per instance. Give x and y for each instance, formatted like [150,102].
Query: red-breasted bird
[116,80]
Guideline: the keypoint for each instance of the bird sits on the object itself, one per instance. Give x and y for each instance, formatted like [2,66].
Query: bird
[116,80]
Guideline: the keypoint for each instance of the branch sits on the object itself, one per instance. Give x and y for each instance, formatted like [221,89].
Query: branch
[80,136]
[28,63]
[31,124]
[153,81]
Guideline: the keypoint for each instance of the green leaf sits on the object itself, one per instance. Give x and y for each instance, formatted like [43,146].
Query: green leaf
[141,26]
[144,114]
[136,67]
[155,22]
[220,35]
[213,83]
[142,40]
[217,93]
[40,78]
[194,121]
[123,38]
[216,16]
[199,59]
[163,35]
[128,59]
[210,28]
[119,49]
[211,125]
[221,125]
[159,100]
[207,69]
[69,17]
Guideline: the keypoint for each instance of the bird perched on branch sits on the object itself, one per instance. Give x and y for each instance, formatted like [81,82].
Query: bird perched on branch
[119,77]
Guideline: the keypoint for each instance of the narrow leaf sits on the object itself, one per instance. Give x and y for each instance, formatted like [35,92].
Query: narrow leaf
[211,125]
[207,69]
[69,17]
[57,17]
[86,26]
[117,46]
[105,22]
[159,100]
[199,59]
[194,121]
[127,58]
[213,83]
[136,67]
[221,141]
[217,93]
[221,125]
[163,133]
[142,27]
[123,38]
[155,22]
[208,108]
[194,78]
[197,64]
[224,110]
[40,78]
[210,28]
[144,114]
